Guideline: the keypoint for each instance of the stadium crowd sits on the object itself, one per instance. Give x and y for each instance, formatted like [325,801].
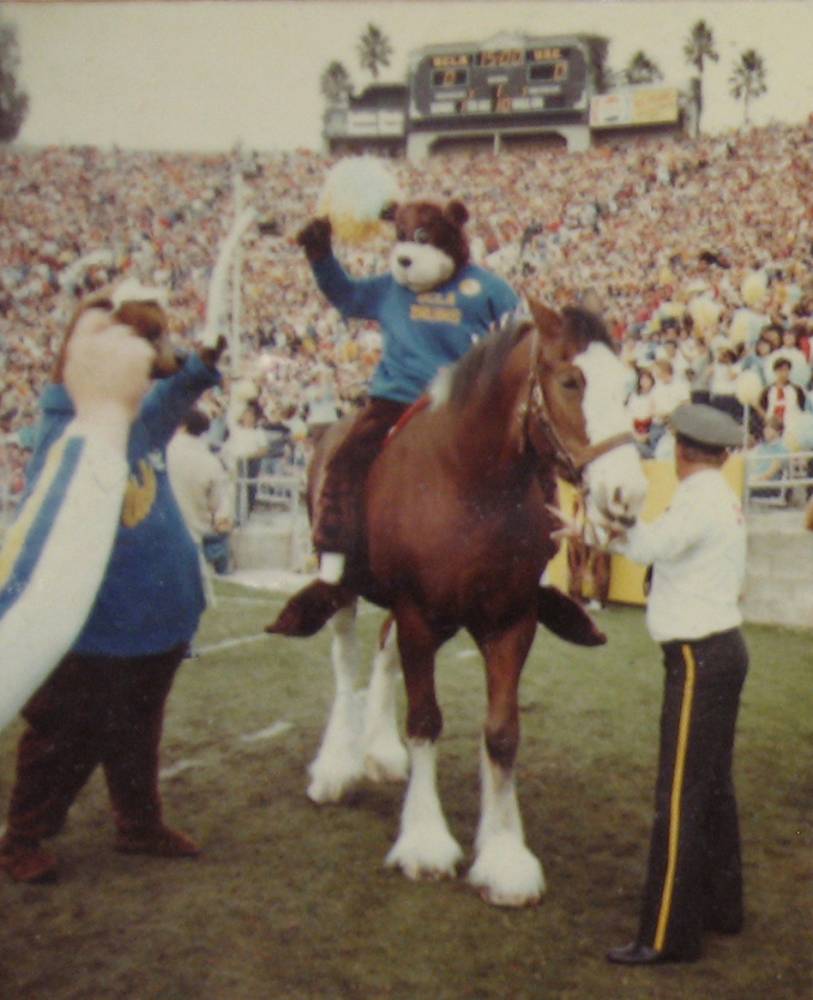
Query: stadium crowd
[697,252]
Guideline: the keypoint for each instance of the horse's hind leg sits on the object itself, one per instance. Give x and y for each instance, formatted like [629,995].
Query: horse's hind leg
[339,763]
[385,757]
[505,871]
[425,848]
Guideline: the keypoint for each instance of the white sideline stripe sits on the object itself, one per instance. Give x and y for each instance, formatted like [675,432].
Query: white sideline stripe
[178,767]
[275,729]
[229,643]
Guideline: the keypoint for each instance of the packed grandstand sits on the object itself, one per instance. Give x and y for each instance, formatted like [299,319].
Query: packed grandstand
[706,242]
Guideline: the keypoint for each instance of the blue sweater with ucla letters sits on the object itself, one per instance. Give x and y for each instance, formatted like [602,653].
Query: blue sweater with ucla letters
[152,597]
[422,331]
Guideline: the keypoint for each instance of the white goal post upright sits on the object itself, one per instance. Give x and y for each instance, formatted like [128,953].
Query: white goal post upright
[235,348]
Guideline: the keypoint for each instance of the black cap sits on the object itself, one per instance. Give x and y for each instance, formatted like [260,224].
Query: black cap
[706,426]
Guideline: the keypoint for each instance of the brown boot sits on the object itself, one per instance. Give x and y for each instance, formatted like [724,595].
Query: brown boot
[24,860]
[160,841]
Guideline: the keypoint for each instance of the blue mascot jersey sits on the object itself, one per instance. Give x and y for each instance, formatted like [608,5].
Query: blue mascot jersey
[151,598]
[422,331]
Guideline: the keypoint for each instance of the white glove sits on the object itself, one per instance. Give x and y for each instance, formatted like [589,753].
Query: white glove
[107,372]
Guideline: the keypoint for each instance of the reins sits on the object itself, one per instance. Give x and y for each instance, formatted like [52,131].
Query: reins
[535,408]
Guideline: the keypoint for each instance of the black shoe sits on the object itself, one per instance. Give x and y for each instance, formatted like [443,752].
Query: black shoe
[640,954]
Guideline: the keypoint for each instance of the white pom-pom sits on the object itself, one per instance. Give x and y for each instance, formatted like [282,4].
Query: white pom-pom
[353,195]
[705,312]
[244,391]
[748,388]
[754,288]
[798,434]
[746,326]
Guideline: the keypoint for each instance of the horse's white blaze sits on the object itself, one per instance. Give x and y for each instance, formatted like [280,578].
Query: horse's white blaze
[339,762]
[505,870]
[616,481]
[385,756]
[425,848]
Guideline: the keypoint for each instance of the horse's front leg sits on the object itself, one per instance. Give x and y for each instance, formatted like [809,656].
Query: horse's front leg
[504,870]
[425,848]
[339,762]
[385,757]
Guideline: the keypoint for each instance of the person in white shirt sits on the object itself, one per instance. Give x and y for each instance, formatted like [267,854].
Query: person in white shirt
[697,553]
[782,398]
[246,445]
[668,392]
[201,484]
[641,407]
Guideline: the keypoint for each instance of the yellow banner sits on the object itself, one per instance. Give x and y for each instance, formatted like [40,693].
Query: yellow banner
[639,106]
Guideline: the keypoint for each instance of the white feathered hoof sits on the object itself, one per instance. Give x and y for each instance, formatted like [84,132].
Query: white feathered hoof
[386,760]
[331,780]
[426,853]
[506,873]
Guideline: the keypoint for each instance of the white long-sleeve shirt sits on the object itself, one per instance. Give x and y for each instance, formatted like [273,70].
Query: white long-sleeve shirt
[697,550]
[200,483]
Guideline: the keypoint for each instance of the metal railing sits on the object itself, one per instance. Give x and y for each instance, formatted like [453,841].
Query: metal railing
[280,497]
[791,487]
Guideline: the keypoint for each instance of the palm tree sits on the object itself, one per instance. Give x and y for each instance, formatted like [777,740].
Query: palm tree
[699,47]
[335,83]
[374,50]
[747,80]
[601,74]
[13,100]
[641,69]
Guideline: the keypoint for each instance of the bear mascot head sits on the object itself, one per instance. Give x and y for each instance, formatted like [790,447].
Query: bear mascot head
[430,247]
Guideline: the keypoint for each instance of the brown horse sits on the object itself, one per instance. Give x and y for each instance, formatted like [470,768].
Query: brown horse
[458,534]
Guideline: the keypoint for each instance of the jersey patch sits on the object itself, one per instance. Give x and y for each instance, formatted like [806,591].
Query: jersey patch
[470,287]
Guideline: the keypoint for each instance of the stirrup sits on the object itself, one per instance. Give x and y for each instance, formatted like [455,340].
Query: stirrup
[331,567]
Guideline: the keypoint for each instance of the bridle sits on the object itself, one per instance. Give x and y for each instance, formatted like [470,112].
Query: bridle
[534,409]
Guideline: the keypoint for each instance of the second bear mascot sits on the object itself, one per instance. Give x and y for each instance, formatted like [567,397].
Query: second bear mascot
[431,306]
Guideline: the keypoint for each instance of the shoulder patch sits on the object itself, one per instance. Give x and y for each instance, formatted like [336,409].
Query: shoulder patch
[470,287]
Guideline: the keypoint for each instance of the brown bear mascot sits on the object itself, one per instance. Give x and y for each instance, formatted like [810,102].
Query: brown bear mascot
[431,306]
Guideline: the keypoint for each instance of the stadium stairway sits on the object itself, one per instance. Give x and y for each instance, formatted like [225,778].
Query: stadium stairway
[779,577]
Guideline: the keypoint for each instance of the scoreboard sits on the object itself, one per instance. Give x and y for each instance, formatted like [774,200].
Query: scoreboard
[544,79]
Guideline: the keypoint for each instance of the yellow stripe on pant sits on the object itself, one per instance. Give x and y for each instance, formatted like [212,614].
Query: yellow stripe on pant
[676,797]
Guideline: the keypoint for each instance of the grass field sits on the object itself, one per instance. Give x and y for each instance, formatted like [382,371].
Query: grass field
[292,901]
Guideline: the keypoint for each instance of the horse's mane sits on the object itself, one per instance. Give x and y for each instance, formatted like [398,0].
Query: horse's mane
[483,363]
[481,366]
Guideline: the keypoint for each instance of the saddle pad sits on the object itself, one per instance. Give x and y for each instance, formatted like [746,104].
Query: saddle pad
[419,404]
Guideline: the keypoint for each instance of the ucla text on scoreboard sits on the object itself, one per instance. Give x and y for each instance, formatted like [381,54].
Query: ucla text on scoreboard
[539,76]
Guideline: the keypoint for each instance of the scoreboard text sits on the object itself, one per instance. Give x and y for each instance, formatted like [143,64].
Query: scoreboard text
[496,82]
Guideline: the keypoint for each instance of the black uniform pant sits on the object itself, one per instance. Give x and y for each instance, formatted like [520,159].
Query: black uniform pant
[93,710]
[694,876]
